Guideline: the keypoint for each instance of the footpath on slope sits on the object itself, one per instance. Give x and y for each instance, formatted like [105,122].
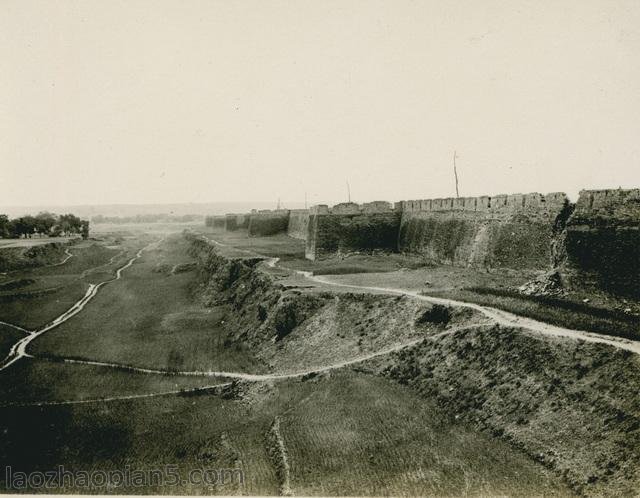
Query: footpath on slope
[500,317]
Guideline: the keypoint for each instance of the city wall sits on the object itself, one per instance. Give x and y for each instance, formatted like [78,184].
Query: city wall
[510,231]
[265,223]
[298,224]
[216,222]
[594,243]
[236,221]
[601,243]
[350,227]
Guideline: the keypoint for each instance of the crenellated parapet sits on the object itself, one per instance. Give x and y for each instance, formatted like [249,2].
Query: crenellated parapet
[601,246]
[353,208]
[594,242]
[498,204]
[615,206]
[350,227]
[512,231]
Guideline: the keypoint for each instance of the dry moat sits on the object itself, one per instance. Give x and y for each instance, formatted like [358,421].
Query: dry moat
[444,347]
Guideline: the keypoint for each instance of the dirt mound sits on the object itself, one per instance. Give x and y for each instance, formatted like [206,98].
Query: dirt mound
[548,284]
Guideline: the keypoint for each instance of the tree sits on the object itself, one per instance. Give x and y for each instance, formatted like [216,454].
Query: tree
[4,226]
[45,222]
[85,229]
[21,226]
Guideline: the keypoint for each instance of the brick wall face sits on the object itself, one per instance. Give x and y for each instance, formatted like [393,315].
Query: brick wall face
[343,233]
[298,223]
[511,231]
[235,222]
[602,242]
[267,223]
[598,245]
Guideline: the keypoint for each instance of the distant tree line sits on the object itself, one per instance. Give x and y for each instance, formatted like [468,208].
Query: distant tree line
[147,218]
[43,224]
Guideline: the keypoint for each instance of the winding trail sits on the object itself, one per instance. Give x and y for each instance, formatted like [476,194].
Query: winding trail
[264,377]
[496,316]
[69,256]
[229,375]
[18,350]
[89,271]
[125,397]
[500,317]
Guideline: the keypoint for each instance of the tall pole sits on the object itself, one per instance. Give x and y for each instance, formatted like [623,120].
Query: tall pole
[455,172]
[348,192]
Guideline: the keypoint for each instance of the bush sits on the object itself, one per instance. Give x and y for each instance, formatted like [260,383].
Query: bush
[437,314]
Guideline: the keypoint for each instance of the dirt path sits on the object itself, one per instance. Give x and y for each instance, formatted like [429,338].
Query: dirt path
[18,350]
[69,256]
[266,377]
[500,317]
[230,375]
[193,390]
[89,271]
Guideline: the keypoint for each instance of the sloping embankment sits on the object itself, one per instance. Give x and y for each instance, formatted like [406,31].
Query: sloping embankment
[17,258]
[570,405]
[292,329]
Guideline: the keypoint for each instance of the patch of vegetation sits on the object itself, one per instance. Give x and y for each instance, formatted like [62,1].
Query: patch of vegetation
[49,379]
[158,323]
[562,312]
[570,405]
[292,311]
[8,337]
[143,434]
[437,314]
[16,284]
[356,434]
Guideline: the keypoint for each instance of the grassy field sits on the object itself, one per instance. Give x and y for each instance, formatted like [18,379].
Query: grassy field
[8,337]
[563,312]
[291,253]
[346,432]
[34,380]
[46,292]
[151,319]
[192,432]
[32,242]
[397,445]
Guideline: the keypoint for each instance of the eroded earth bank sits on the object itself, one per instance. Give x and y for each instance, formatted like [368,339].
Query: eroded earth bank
[205,355]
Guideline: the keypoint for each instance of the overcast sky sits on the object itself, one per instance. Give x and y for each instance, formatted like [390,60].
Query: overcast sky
[188,101]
